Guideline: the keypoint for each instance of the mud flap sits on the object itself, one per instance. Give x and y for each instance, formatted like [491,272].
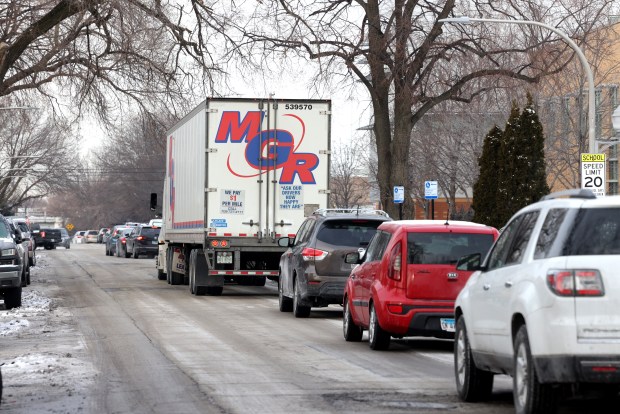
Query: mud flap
[202,273]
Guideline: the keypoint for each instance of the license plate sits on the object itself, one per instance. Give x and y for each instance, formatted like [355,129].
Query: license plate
[154,242]
[447,324]
[53,240]
[225,259]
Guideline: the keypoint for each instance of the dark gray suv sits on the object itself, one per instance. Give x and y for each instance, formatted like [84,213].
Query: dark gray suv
[312,270]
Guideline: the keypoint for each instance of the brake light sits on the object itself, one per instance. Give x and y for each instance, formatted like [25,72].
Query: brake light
[576,282]
[395,263]
[140,238]
[123,240]
[308,254]
[42,234]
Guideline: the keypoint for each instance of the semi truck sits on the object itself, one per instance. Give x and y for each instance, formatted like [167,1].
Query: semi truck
[240,173]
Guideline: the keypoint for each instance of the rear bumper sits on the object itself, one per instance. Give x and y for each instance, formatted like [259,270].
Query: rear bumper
[421,319]
[325,292]
[140,248]
[601,369]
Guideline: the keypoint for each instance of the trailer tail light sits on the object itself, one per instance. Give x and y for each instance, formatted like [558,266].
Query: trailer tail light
[220,243]
[394,272]
[42,234]
[577,282]
[313,254]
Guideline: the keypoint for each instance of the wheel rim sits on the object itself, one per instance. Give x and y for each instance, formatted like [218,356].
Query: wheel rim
[521,375]
[371,327]
[461,348]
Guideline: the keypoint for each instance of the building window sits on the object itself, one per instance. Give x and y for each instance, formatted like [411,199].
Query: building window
[613,170]
[613,189]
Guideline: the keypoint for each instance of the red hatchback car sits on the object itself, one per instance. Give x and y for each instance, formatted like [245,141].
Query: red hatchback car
[407,281]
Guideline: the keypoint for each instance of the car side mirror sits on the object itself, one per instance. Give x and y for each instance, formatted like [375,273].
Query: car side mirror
[352,258]
[284,241]
[470,262]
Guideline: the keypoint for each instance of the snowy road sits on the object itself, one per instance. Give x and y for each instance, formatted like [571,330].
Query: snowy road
[101,334]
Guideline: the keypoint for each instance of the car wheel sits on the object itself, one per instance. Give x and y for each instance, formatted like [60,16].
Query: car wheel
[47,247]
[28,276]
[127,254]
[286,304]
[352,332]
[135,253]
[299,310]
[13,298]
[378,338]
[67,246]
[530,396]
[472,384]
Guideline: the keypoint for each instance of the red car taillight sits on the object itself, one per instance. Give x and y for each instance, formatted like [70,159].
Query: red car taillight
[123,240]
[394,272]
[42,234]
[140,238]
[308,254]
[575,282]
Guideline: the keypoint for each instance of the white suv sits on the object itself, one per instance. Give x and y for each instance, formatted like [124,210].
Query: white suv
[544,307]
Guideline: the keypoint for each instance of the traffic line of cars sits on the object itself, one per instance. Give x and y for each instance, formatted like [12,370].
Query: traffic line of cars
[132,240]
[538,302]
[16,256]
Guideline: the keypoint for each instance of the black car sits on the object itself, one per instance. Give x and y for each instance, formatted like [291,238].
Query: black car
[47,238]
[312,270]
[142,240]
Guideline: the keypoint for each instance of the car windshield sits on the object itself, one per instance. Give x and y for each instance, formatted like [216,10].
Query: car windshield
[350,233]
[4,231]
[596,231]
[445,248]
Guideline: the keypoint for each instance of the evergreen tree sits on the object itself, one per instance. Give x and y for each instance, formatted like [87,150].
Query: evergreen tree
[508,172]
[485,188]
[530,146]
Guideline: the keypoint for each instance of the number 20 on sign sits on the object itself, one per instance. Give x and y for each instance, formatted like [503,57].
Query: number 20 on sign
[593,173]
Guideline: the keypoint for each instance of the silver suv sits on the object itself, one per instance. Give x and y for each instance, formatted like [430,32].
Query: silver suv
[312,270]
[543,307]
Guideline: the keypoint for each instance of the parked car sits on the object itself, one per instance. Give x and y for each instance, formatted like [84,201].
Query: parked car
[91,236]
[65,239]
[28,238]
[22,252]
[407,281]
[79,236]
[11,266]
[312,272]
[102,232]
[121,241]
[142,240]
[543,306]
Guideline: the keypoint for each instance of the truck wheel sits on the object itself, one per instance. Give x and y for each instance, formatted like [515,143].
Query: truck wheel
[13,298]
[286,304]
[530,396]
[47,247]
[259,281]
[161,275]
[214,290]
[299,310]
[472,383]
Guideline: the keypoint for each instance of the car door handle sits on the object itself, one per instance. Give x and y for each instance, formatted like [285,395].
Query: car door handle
[508,284]
[486,287]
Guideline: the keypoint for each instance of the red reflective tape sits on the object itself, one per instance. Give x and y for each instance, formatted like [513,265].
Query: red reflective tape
[228,234]
[292,235]
[243,235]
[212,234]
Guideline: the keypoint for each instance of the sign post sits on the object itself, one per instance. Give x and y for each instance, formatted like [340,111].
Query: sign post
[399,198]
[593,173]
[430,193]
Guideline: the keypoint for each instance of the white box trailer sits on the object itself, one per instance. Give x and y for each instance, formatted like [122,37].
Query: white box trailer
[240,174]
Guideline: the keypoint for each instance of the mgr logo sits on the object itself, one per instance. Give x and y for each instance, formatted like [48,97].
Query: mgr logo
[267,150]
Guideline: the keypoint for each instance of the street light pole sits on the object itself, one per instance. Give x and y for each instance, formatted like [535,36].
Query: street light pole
[572,44]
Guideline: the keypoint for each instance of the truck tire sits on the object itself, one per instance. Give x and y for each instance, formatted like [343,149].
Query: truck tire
[215,290]
[259,281]
[13,297]
[161,275]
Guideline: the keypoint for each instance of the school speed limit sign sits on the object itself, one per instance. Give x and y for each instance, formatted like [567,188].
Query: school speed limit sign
[593,173]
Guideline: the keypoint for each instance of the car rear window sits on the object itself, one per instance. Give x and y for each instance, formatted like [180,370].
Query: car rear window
[595,231]
[350,233]
[445,248]
[147,231]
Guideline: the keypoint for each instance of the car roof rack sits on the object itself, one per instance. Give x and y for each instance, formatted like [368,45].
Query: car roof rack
[354,210]
[573,193]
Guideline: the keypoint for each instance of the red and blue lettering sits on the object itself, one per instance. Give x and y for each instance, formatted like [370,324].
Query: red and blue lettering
[267,150]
